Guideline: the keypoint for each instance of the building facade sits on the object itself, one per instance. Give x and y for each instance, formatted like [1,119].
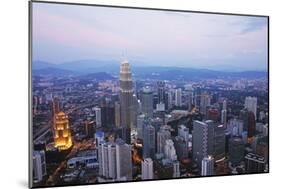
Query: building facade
[202,140]
[62,134]
[147,169]
[207,167]
[126,95]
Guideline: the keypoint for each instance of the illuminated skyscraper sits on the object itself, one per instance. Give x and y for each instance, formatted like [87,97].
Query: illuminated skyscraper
[62,135]
[126,94]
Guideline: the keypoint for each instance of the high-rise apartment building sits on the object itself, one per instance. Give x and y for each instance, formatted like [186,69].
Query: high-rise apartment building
[98,116]
[170,151]
[236,150]
[107,160]
[140,120]
[123,160]
[148,140]
[162,135]
[147,101]
[161,91]
[205,101]
[178,97]
[202,140]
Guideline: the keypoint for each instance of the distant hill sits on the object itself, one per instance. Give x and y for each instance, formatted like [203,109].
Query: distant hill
[53,72]
[62,72]
[166,73]
[80,66]
[105,70]
[42,64]
[97,76]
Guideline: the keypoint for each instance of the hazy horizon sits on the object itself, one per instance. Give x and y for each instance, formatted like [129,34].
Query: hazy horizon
[66,33]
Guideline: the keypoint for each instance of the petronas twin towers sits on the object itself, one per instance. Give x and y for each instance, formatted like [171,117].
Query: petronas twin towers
[126,95]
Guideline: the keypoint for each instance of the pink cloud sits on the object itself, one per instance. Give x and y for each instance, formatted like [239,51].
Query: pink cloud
[67,32]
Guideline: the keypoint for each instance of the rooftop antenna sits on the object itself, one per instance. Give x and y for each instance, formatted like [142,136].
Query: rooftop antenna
[123,56]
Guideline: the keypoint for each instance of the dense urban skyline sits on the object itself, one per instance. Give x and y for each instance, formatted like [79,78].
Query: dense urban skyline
[163,38]
[93,130]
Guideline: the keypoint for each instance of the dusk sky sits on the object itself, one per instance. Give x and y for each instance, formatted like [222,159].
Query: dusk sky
[63,33]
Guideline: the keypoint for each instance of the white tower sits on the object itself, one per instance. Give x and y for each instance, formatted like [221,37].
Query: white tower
[170,151]
[178,97]
[98,116]
[251,105]
[147,169]
[123,160]
[39,165]
[207,167]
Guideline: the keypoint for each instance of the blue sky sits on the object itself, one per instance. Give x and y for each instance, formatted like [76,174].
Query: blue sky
[63,33]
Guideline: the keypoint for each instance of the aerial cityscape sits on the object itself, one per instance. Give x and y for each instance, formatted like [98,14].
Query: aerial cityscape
[133,116]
